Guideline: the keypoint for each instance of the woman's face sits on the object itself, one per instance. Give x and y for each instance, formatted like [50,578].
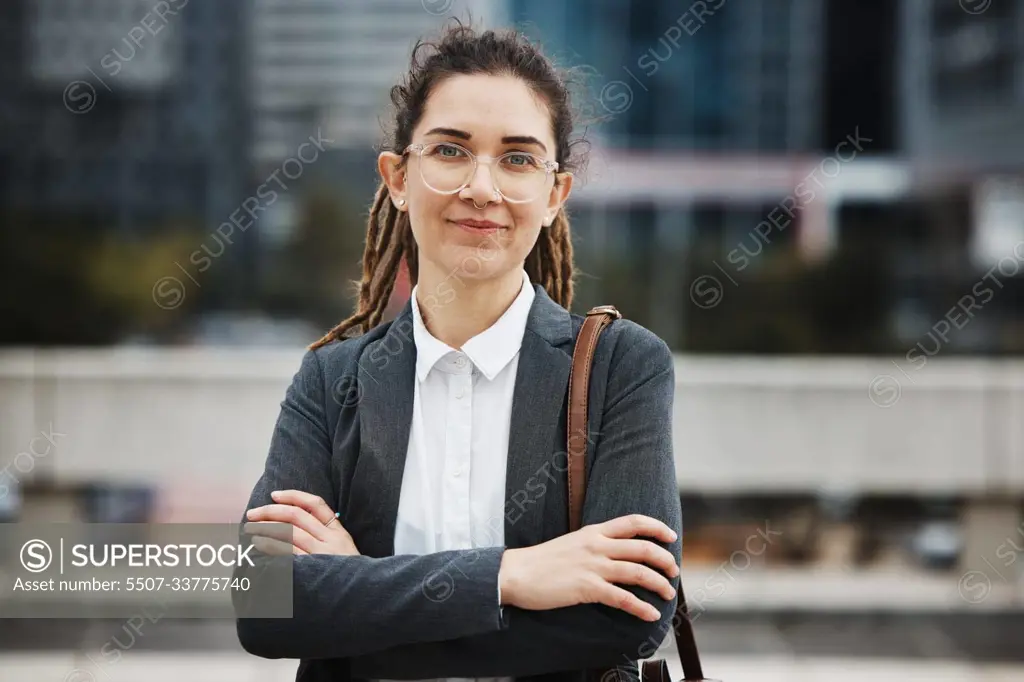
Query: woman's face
[488,116]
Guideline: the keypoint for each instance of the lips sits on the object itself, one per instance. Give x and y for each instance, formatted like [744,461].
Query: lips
[479,225]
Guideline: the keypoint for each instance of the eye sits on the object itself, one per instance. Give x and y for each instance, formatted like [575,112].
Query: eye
[522,161]
[446,151]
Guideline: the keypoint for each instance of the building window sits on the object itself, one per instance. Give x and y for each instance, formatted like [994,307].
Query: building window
[973,55]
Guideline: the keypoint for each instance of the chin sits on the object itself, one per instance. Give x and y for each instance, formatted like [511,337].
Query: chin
[473,265]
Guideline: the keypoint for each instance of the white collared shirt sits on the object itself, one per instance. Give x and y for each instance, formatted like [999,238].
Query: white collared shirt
[453,487]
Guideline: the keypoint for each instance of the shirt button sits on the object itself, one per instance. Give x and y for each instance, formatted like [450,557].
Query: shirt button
[459,394]
[457,472]
[460,361]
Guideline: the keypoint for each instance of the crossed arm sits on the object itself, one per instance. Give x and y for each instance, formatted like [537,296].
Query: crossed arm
[349,605]
[380,613]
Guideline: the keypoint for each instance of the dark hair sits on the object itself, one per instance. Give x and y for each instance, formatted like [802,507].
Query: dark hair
[461,50]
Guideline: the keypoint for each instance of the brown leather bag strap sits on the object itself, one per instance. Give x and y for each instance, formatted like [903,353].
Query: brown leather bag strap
[576,423]
[576,441]
[686,643]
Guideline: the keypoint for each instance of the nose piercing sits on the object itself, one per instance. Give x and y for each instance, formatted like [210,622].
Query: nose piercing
[496,194]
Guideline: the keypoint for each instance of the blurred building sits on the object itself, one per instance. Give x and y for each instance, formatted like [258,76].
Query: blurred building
[132,112]
[331,64]
[962,73]
[326,68]
[894,127]
[880,122]
[682,75]
[962,113]
[960,118]
[704,110]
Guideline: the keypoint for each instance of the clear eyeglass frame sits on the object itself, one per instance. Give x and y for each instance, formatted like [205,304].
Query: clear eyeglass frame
[418,148]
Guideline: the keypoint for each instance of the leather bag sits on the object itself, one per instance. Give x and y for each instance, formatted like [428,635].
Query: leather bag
[579,383]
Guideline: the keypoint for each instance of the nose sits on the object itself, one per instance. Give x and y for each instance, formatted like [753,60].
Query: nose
[481,188]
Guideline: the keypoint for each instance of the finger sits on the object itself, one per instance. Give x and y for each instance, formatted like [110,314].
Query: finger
[314,504]
[305,542]
[638,524]
[273,547]
[271,529]
[286,513]
[643,551]
[283,532]
[624,600]
[630,573]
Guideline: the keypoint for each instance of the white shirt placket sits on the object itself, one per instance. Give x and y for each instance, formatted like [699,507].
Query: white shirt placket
[458,446]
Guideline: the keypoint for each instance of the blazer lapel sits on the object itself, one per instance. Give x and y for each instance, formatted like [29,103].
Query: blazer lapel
[387,372]
[534,503]
[536,447]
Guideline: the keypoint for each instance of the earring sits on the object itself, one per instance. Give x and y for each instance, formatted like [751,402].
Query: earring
[400,202]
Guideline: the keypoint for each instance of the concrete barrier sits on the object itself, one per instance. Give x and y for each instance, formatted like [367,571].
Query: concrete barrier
[202,418]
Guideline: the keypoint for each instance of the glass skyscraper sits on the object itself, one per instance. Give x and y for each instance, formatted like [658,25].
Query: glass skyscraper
[131,112]
[678,90]
[715,75]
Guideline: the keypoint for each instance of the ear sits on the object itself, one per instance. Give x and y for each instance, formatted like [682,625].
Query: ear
[558,196]
[392,172]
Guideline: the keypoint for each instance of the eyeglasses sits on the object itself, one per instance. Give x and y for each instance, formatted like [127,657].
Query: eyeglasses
[448,168]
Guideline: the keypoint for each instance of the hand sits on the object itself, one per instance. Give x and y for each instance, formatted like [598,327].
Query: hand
[314,527]
[581,567]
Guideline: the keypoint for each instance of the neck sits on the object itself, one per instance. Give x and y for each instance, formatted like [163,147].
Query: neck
[475,306]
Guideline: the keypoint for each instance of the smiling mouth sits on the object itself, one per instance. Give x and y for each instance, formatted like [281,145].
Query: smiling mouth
[479,225]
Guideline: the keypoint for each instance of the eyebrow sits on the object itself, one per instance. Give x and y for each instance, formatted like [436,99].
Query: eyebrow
[508,139]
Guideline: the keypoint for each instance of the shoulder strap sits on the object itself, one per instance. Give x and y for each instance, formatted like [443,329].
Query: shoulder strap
[576,447]
[576,424]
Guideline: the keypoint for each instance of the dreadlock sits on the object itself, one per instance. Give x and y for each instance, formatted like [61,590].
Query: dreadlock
[389,237]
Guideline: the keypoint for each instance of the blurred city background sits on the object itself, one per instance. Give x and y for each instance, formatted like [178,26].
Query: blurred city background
[819,205]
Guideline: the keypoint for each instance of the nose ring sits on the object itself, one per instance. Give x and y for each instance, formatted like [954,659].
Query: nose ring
[496,194]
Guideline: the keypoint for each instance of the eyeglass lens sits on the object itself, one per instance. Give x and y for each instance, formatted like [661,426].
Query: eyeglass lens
[519,176]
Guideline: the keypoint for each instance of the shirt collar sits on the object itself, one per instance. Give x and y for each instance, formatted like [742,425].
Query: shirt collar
[490,350]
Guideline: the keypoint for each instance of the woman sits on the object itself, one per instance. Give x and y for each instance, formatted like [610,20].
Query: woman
[439,437]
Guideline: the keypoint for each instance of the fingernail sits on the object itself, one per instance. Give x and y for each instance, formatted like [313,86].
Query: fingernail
[674,536]
[275,493]
[249,514]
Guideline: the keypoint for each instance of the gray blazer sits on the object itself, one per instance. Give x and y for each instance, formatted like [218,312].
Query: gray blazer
[342,434]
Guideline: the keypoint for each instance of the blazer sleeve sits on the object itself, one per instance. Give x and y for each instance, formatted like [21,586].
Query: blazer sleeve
[345,606]
[633,472]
